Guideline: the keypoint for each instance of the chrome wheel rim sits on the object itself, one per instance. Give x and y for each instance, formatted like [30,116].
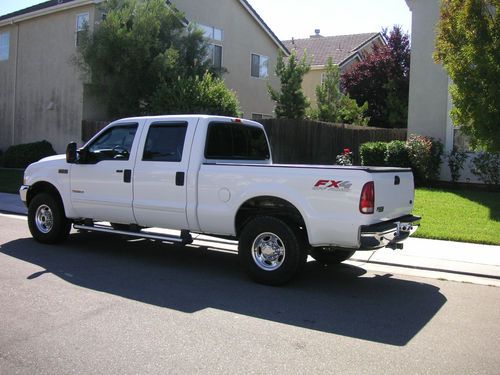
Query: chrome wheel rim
[44,219]
[268,251]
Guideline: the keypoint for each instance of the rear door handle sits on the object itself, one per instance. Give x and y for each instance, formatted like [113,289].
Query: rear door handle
[179,179]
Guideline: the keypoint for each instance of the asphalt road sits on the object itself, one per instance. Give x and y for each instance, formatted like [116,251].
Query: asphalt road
[103,304]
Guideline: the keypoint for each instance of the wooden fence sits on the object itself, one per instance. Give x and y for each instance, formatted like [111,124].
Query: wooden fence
[303,141]
[313,142]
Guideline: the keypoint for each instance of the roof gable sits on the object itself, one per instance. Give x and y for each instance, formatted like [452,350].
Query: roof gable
[341,48]
[54,5]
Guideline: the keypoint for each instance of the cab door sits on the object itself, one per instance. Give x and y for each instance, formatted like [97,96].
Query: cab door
[101,181]
[160,178]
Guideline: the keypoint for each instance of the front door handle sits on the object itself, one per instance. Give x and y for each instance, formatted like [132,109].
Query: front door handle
[127,175]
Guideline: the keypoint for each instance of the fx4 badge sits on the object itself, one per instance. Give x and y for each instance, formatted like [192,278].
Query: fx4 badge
[332,185]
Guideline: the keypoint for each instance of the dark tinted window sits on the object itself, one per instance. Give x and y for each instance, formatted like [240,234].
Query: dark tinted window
[115,143]
[236,141]
[165,142]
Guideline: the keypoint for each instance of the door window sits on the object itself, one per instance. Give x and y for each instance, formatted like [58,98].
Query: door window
[165,142]
[114,144]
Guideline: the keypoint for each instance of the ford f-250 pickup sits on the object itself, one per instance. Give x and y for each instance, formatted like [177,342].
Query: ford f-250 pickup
[214,175]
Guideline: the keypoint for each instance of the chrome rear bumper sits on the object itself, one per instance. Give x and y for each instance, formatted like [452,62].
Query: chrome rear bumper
[388,233]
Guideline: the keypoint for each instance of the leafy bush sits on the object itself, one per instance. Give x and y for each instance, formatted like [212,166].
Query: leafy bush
[397,154]
[345,158]
[456,159]
[373,153]
[20,156]
[425,157]
[486,166]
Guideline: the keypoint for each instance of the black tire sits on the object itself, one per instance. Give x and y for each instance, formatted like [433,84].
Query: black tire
[331,255]
[46,219]
[265,234]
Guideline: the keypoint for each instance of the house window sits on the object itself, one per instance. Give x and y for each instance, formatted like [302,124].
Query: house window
[211,33]
[259,66]
[4,46]
[82,22]
[215,55]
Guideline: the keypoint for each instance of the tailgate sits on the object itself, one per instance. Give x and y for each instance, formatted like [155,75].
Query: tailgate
[394,193]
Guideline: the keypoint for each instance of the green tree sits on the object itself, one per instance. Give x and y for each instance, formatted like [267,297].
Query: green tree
[139,49]
[333,105]
[468,46]
[382,79]
[290,100]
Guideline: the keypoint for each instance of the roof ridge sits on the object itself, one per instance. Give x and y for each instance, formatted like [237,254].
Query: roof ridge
[330,36]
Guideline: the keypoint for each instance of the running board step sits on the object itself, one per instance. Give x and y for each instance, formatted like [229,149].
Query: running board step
[184,239]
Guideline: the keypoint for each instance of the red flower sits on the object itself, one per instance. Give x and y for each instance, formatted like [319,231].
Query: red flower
[346,150]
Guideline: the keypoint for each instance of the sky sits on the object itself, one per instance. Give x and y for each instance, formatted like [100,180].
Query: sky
[299,18]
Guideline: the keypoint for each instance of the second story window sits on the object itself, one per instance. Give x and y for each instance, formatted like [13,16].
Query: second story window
[82,21]
[259,66]
[215,55]
[211,33]
[4,46]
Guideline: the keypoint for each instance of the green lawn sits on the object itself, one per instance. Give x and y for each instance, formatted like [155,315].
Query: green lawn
[458,215]
[10,180]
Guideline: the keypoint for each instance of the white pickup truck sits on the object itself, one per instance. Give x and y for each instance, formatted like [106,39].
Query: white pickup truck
[214,175]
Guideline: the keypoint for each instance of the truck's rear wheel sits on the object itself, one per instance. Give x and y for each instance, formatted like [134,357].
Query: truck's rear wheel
[271,251]
[330,255]
[46,219]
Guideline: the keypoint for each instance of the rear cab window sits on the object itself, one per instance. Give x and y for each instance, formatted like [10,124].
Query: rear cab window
[236,141]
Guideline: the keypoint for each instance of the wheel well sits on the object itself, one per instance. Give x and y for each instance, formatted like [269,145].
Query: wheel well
[269,206]
[43,187]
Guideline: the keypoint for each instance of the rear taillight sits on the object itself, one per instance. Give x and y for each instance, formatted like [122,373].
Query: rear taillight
[367,199]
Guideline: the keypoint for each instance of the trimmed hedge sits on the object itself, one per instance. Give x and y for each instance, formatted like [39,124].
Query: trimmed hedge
[373,153]
[20,156]
[397,155]
[421,154]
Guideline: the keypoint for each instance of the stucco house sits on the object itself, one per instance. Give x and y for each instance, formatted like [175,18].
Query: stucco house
[429,98]
[345,50]
[41,92]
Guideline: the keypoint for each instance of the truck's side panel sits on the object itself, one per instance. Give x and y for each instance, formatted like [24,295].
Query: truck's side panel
[327,199]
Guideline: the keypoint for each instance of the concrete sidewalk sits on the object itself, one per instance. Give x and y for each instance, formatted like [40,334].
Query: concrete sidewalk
[449,260]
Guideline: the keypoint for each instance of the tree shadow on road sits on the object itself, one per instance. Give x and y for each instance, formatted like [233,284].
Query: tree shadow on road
[341,300]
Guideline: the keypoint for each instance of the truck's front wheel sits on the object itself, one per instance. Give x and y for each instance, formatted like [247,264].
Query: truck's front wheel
[271,251]
[46,219]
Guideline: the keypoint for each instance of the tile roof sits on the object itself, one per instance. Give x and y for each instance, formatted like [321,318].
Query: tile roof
[339,47]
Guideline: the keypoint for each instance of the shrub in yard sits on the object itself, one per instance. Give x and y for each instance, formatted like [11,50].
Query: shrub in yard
[373,153]
[425,157]
[1,158]
[456,159]
[486,166]
[397,154]
[20,156]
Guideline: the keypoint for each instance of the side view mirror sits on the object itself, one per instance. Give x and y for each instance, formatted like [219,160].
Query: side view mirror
[71,155]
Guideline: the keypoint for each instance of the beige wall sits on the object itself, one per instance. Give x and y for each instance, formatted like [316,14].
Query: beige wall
[45,90]
[242,37]
[428,99]
[42,96]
